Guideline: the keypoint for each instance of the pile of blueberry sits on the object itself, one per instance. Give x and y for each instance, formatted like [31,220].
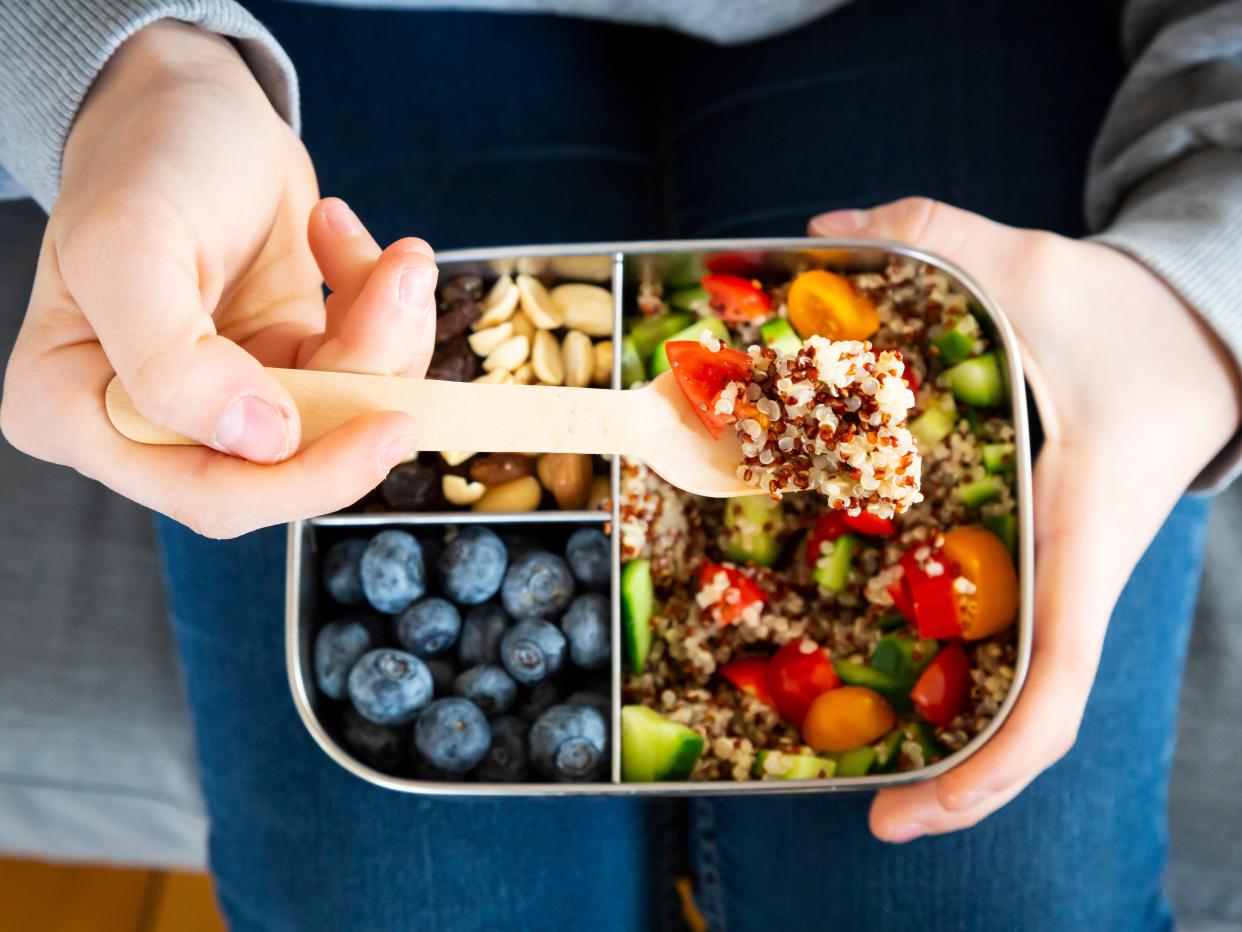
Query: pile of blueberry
[470,656]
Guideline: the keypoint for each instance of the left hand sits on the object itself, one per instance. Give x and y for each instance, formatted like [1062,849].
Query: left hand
[1125,376]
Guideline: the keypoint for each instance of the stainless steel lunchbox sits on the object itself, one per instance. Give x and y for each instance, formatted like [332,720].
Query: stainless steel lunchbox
[624,264]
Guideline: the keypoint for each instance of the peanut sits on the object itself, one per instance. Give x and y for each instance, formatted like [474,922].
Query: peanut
[498,304]
[568,476]
[460,492]
[484,341]
[537,303]
[601,371]
[508,355]
[519,495]
[578,358]
[546,359]
[584,307]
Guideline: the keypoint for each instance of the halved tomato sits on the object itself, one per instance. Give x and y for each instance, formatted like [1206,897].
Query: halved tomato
[702,374]
[737,298]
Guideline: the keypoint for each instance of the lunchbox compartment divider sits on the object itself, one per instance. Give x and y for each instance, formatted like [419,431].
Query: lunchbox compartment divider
[614,537]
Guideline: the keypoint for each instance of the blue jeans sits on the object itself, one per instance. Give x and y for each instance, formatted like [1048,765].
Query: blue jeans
[487,129]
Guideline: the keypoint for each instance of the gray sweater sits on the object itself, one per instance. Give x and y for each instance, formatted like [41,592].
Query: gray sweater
[1165,183]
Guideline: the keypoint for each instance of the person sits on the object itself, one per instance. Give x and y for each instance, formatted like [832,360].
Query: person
[187,244]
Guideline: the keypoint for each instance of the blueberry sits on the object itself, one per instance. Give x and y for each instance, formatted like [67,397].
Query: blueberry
[393,576]
[389,686]
[590,557]
[507,760]
[452,734]
[481,632]
[341,567]
[380,746]
[489,687]
[532,650]
[472,565]
[568,743]
[442,674]
[537,585]
[429,628]
[597,701]
[338,645]
[587,627]
[519,544]
[538,699]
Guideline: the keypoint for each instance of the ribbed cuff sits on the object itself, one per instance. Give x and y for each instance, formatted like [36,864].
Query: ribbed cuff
[1185,224]
[52,50]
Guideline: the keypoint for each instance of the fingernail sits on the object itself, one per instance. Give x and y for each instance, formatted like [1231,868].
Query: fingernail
[840,221]
[341,220]
[253,429]
[415,245]
[396,451]
[967,799]
[904,831]
[416,285]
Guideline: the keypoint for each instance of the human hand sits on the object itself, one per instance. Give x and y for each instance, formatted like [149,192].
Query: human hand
[177,256]
[1136,397]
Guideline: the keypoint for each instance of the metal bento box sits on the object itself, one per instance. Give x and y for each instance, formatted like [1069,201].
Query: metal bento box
[623,268]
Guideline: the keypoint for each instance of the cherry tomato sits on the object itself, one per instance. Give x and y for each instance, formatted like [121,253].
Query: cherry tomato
[822,302]
[982,558]
[933,600]
[702,375]
[737,298]
[742,592]
[942,690]
[797,674]
[847,718]
[828,527]
[911,379]
[735,263]
[750,676]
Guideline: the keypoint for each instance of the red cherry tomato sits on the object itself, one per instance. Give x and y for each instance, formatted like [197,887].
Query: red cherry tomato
[750,676]
[737,298]
[702,375]
[828,527]
[741,593]
[933,599]
[798,673]
[911,379]
[942,691]
[735,263]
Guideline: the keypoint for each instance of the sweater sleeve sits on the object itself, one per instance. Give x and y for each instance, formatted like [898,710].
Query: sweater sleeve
[1165,181]
[52,50]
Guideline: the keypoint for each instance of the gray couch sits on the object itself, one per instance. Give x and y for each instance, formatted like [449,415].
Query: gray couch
[96,756]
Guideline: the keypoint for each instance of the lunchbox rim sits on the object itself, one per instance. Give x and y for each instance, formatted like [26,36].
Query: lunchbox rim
[1019,411]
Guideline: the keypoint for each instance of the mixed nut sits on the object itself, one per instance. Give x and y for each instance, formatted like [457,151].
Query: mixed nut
[515,331]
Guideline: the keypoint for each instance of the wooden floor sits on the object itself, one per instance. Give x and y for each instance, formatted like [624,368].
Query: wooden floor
[38,897]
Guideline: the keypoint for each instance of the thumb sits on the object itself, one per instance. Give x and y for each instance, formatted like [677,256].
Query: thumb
[144,304]
[980,246]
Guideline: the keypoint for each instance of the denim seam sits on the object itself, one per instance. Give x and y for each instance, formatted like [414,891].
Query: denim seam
[708,868]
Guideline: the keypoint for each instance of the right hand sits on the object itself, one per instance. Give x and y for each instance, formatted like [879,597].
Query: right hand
[178,256]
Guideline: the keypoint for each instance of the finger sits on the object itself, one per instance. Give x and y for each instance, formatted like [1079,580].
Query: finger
[982,247]
[213,494]
[904,813]
[390,327]
[343,249]
[139,289]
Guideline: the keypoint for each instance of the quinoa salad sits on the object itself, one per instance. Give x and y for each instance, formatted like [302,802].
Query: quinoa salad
[860,617]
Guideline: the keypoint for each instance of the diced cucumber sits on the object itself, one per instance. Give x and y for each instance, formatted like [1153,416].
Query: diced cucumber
[682,269]
[930,427]
[801,767]
[893,621]
[694,299]
[980,492]
[632,368]
[1006,528]
[752,525]
[654,748]
[637,607]
[888,749]
[856,762]
[998,457]
[714,325]
[955,343]
[979,381]
[903,658]
[650,332]
[778,334]
[832,571]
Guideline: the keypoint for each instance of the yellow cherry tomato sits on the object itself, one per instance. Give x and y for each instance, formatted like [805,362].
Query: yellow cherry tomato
[846,718]
[983,560]
[822,302]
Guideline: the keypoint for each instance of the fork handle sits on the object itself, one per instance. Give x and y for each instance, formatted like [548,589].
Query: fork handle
[449,415]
